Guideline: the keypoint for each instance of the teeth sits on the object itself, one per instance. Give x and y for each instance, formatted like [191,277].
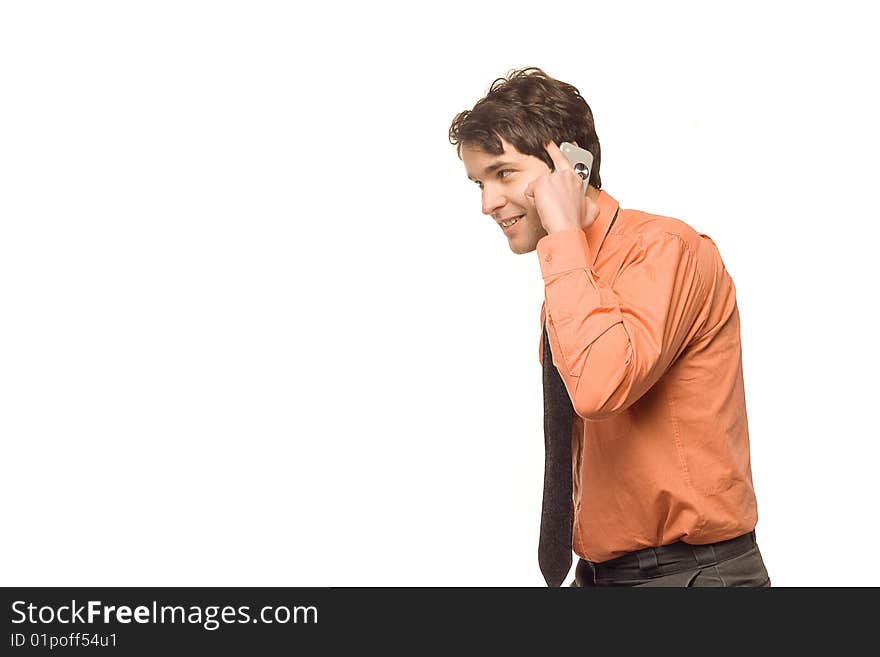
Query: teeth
[508,224]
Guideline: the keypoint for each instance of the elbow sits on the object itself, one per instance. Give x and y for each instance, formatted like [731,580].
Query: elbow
[596,411]
[591,414]
[599,402]
[603,394]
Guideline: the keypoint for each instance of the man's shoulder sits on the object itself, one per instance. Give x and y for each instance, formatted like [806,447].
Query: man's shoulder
[637,224]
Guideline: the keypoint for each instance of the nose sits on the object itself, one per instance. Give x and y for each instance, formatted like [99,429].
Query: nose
[493,199]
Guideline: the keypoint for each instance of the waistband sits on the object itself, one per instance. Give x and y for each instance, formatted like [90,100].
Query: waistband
[669,559]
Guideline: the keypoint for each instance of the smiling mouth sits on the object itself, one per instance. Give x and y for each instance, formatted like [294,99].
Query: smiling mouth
[510,222]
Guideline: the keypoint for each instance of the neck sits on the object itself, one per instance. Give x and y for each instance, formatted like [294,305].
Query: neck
[592,193]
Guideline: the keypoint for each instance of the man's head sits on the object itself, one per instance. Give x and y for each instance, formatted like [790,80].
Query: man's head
[501,142]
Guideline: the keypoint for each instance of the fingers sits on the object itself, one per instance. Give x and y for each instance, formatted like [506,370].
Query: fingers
[558,157]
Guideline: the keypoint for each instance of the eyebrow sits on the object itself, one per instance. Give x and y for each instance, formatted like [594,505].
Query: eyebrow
[494,167]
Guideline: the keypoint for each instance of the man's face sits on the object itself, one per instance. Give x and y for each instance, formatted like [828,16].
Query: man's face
[503,180]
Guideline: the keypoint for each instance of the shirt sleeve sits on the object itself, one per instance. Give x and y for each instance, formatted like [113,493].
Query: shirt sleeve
[611,340]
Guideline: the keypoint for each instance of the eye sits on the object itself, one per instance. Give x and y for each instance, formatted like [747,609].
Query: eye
[503,171]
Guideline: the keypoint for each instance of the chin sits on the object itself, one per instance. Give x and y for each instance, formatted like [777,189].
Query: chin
[522,248]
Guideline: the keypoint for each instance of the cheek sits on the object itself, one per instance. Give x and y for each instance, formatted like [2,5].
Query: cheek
[519,196]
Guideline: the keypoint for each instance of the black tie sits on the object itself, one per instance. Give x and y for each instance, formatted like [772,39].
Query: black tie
[554,547]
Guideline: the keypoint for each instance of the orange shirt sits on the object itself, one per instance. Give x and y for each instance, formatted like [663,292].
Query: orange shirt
[644,330]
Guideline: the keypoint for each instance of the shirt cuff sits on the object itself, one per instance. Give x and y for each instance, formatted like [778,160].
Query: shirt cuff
[563,251]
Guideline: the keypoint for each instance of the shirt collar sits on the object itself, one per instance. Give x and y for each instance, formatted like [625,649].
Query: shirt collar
[608,208]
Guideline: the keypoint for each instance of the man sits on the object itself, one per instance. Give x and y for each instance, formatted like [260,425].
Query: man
[643,329]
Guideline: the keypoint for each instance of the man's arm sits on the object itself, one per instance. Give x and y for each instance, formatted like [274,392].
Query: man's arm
[612,342]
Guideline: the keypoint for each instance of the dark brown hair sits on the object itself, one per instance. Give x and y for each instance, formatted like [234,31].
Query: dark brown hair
[528,108]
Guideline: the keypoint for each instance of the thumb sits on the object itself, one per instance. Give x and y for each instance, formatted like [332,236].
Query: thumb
[530,194]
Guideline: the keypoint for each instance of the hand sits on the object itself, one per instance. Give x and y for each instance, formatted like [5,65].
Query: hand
[559,196]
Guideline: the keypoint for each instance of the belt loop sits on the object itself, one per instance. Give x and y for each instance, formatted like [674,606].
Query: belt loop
[705,555]
[585,574]
[648,560]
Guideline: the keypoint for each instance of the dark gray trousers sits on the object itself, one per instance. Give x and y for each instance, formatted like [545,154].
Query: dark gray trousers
[681,566]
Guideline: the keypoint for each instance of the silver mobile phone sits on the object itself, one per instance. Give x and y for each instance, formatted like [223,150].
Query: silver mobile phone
[581,160]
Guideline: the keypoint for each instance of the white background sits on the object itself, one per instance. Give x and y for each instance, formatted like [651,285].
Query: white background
[254,329]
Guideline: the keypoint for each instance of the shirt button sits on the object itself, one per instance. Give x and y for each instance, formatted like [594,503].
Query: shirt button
[548,258]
